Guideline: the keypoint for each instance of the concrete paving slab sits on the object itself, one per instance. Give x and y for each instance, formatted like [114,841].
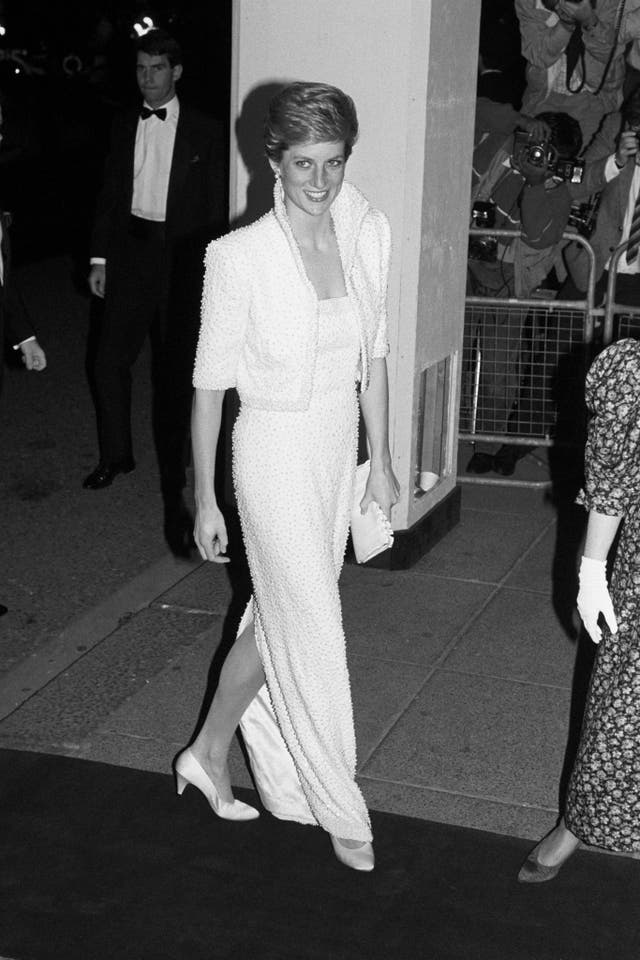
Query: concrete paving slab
[152,725]
[517,637]
[207,589]
[483,546]
[150,754]
[507,499]
[457,808]
[550,564]
[79,699]
[66,549]
[394,616]
[51,658]
[491,738]
[381,692]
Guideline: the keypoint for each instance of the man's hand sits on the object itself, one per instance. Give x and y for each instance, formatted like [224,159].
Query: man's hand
[627,147]
[537,129]
[33,355]
[98,279]
[582,13]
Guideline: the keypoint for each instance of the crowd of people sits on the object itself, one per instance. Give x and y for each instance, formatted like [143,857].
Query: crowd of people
[293,317]
[580,111]
[572,141]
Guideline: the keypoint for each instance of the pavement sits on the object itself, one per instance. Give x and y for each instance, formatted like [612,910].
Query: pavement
[467,674]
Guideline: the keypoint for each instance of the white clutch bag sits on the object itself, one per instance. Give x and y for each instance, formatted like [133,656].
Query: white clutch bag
[371,532]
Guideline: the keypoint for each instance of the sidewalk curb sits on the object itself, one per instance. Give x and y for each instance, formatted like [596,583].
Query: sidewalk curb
[90,629]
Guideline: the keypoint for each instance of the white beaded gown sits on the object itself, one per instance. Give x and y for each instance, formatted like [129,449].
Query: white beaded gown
[293,474]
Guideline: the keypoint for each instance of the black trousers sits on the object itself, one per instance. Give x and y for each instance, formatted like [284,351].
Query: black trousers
[146,295]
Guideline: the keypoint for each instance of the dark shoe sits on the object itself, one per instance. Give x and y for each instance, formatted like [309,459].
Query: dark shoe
[507,456]
[105,473]
[178,528]
[532,871]
[480,463]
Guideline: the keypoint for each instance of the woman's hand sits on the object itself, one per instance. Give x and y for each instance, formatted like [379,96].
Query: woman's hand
[210,534]
[594,599]
[382,487]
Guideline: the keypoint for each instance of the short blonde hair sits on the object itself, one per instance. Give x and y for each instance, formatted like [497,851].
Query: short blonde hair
[309,113]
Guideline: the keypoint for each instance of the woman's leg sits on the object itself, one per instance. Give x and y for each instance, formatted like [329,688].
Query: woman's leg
[240,680]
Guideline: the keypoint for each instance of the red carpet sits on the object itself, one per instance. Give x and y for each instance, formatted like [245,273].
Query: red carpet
[106,863]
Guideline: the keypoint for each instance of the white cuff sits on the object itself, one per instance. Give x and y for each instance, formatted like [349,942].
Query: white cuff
[592,571]
[17,346]
[97,261]
[611,168]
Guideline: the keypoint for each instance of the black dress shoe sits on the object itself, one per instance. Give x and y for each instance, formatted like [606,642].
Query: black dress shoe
[507,456]
[480,463]
[178,528]
[104,473]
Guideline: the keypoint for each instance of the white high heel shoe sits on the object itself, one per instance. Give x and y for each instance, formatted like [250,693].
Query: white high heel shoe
[189,771]
[358,858]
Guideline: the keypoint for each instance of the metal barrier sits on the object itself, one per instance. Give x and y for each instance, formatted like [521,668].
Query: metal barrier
[523,366]
[620,320]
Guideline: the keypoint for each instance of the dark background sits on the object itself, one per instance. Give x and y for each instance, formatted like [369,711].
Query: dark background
[65,68]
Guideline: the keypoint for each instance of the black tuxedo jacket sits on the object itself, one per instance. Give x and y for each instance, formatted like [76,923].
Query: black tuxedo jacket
[14,322]
[196,201]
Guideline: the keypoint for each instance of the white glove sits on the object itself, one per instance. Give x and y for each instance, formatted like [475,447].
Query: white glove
[593,598]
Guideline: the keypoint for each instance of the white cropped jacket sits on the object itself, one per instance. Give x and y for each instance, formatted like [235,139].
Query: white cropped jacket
[259,328]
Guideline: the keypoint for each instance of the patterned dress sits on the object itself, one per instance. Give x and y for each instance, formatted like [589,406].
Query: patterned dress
[293,473]
[603,800]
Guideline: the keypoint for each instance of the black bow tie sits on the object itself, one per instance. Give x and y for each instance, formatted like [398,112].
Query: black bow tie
[161,113]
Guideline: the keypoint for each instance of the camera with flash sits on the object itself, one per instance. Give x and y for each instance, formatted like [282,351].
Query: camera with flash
[543,155]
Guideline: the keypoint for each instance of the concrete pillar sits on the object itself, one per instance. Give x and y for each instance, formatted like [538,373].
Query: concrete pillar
[410,66]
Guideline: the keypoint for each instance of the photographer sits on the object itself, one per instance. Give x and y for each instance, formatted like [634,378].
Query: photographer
[575,56]
[615,152]
[525,186]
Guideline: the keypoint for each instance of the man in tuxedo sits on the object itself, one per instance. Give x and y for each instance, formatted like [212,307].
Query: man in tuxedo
[160,204]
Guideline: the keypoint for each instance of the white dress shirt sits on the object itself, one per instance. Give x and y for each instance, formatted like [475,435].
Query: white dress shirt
[152,163]
[611,171]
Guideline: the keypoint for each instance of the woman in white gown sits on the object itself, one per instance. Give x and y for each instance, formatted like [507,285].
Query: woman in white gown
[293,317]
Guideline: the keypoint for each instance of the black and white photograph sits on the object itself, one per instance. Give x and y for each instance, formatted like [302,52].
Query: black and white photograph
[320,479]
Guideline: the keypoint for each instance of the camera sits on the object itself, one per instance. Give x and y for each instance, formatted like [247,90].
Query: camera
[543,155]
[483,217]
[583,216]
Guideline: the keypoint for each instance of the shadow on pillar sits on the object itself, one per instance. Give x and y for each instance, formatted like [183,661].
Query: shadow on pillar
[248,129]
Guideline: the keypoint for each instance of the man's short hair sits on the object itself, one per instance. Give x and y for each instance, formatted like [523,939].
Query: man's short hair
[158,43]
[566,135]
